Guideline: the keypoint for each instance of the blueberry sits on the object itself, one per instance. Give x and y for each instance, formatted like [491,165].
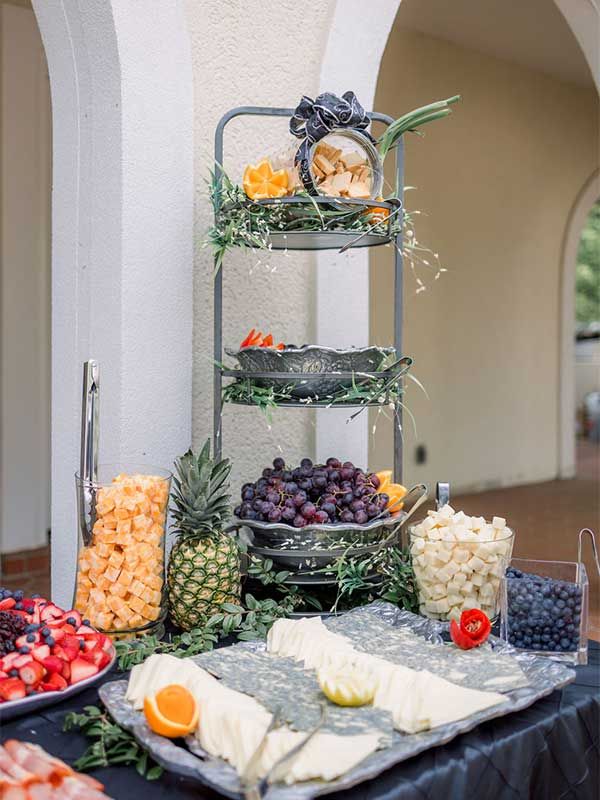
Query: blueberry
[14,673]
[31,637]
[18,606]
[71,621]
[24,649]
[50,641]
[565,644]
[81,644]
[35,596]
[560,603]
[18,595]
[29,690]
[87,623]
[45,631]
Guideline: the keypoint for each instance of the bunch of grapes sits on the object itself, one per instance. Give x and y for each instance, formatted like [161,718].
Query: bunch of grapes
[332,493]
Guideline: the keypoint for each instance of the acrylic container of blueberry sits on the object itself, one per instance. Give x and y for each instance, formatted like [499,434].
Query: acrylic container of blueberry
[544,608]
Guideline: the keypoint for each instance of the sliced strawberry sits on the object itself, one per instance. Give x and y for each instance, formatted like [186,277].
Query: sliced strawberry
[22,660]
[81,669]
[57,681]
[85,631]
[3,675]
[96,656]
[7,603]
[41,652]
[66,653]
[31,674]
[22,640]
[51,611]
[75,616]
[52,664]
[12,689]
[8,661]
[66,671]
[58,634]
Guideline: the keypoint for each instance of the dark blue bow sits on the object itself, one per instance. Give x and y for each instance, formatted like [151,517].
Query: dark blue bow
[314,119]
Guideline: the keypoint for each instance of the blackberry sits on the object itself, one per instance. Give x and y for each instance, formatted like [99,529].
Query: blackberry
[11,627]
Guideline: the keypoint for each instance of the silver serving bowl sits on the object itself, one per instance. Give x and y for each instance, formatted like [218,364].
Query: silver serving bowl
[306,360]
[307,561]
[321,539]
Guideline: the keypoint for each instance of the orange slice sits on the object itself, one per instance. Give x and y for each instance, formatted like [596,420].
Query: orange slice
[261,181]
[385,478]
[172,711]
[395,492]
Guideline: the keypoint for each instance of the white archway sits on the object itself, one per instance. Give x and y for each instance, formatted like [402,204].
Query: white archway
[122,234]
[586,198]
[342,297]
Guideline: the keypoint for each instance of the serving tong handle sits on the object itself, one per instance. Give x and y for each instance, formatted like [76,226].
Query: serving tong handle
[590,533]
[88,467]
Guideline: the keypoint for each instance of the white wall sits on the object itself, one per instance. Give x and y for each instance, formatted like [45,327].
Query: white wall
[587,369]
[247,52]
[24,283]
[496,183]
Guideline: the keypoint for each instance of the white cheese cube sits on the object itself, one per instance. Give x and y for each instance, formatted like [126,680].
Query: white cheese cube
[475,563]
[467,588]
[465,568]
[461,555]
[470,601]
[455,613]
[434,535]
[487,590]
[439,590]
[477,579]
[451,568]
[498,522]
[417,546]
[448,534]
[460,578]
[455,599]
[443,606]
[446,512]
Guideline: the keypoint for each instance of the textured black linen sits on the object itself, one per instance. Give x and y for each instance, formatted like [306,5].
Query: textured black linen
[550,751]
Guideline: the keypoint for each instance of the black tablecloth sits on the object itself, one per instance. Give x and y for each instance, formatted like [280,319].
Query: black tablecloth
[550,751]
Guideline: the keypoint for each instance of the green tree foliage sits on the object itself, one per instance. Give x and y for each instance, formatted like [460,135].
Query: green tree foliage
[587,281]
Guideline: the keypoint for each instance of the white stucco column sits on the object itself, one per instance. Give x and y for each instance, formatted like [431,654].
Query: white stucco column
[122,216]
[342,296]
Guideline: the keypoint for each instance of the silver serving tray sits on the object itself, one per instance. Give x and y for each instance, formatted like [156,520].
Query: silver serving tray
[310,359]
[35,702]
[544,677]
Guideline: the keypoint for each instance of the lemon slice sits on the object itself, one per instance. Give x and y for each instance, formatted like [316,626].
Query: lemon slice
[347,687]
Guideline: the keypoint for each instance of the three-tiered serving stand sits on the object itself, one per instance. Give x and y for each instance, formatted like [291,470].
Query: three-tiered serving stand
[310,241]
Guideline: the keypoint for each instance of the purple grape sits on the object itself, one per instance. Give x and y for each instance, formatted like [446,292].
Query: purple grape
[308,510]
[279,463]
[319,481]
[333,462]
[321,517]
[247,486]
[346,474]
[347,499]
[329,509]
[289,502]
[330,498]
[291,487]
[357,505]
[274,497]
[306,472]
[334,475]
[300,498]
[306,484]
[346,486]
[287,475]
[347,516]
[237,511]
[267,472]
[288,514]
[361,517]
[372,510]
[383,499]
[248,494]
[348,465]
[266,507]
[275,515]
[374,480]
[306,462]
[257,504]
[299,521]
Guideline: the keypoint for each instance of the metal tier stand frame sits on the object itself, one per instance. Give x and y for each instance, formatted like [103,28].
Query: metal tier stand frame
[218,280]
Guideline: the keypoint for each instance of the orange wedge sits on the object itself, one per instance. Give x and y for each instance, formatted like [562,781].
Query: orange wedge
[261,181]
[395,492]
[172,711]
[385,478]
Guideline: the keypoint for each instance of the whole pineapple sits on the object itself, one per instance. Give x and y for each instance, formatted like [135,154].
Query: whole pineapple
[204,567]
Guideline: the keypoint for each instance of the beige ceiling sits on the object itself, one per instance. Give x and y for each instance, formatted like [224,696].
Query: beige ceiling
[529,32]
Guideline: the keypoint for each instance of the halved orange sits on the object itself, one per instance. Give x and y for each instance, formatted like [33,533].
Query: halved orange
[172,711]
[262,181]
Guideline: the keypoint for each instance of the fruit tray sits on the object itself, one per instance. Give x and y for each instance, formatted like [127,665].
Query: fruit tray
[279,682]
[311,370]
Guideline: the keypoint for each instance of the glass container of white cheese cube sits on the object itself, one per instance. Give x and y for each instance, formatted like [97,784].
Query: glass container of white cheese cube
[121,559]
[459,562]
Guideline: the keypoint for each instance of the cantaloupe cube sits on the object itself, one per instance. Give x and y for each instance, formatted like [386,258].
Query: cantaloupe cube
[103,583]
[81,599]
[103,549]
[97,598]
[110,521]
[106,536]
[136,603]
[136,588]
[112,574]
[151,612]
[145,552]
[84,565]
[147,594]
[136,621]
[105,504]
[156,597]
[125,539]
[114,602]
[121,513]
[96,560]
[118,589]
[116,558]
[119,624]
[124,526]
[132,559]
[83,582]
[153,581]
[125,577]
[124,613]
[140,522]
[105,620]
[144,505]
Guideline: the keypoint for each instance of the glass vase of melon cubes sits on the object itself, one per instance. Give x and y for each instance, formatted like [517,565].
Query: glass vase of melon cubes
[121,556]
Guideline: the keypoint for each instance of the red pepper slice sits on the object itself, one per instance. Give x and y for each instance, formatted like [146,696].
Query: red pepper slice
[267,341]
[247,340]
[280,346]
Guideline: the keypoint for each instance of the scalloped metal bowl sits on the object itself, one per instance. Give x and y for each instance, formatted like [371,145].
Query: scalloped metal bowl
[310,359]
[316,546]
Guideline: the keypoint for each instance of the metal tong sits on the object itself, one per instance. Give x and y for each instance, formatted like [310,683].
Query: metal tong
[254,789]
[88,467]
